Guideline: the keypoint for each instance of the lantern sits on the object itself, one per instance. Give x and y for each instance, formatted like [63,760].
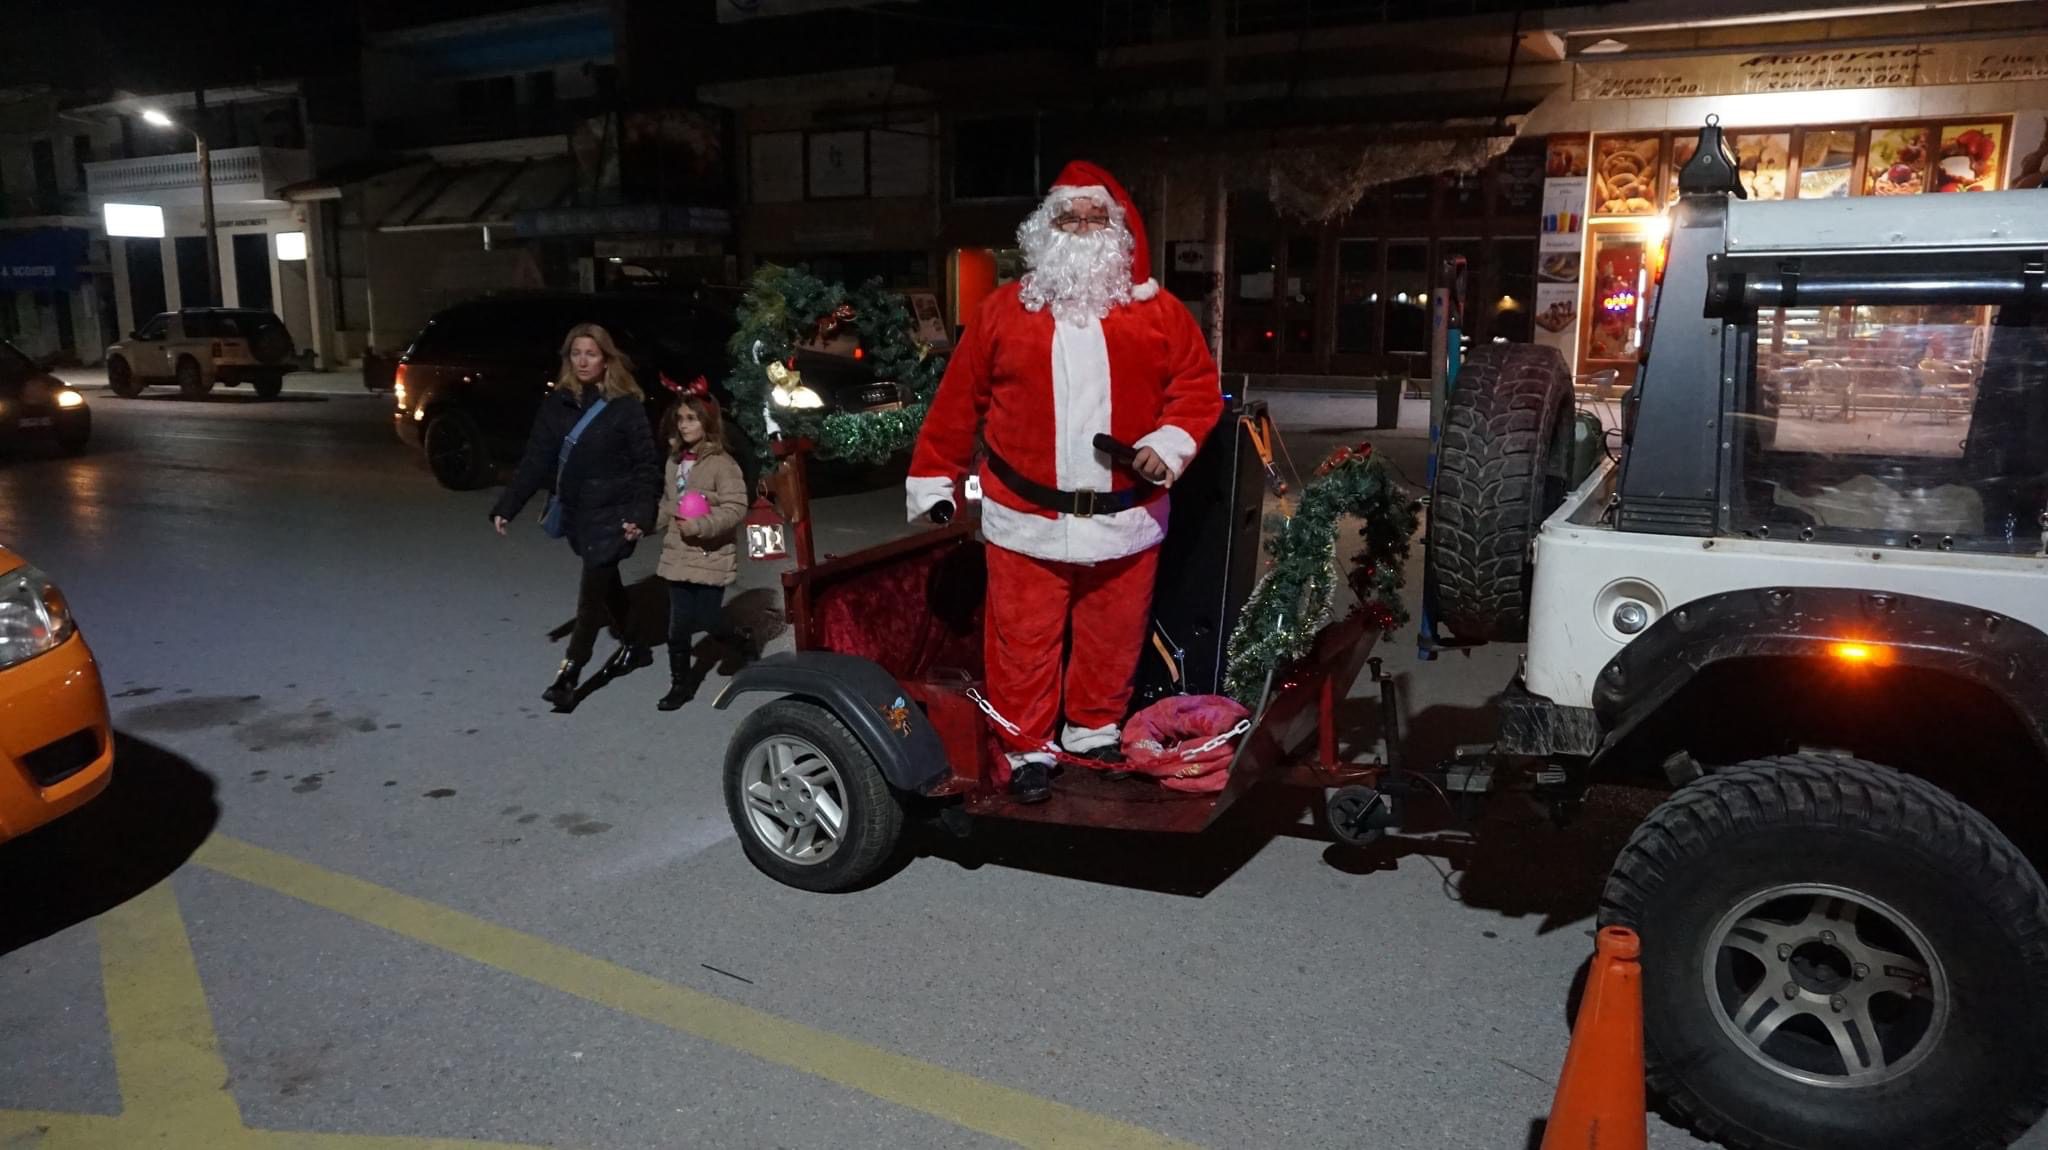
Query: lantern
[764,531]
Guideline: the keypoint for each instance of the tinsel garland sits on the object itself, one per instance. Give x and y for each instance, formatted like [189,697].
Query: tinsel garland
[786,307]
[1293,600]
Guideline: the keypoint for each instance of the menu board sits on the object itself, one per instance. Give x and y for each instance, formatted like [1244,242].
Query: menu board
[1518,185]
[1970,158]
[1898,162]
[1625,175]
[1682,148]
[1827,158]
[1763,162]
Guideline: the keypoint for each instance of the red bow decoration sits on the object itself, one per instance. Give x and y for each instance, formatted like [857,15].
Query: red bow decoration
[699,387]
[1344,455]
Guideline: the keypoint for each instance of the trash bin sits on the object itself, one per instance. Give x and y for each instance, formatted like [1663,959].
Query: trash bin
[1389,388]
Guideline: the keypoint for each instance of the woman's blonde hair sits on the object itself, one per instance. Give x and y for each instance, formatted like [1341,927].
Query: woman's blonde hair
[618,370]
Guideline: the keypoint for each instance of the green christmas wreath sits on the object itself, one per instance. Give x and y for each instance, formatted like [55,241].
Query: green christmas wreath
[787,307]
[1293,599]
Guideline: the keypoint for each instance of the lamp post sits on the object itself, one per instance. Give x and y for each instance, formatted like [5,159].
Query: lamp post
[157,119]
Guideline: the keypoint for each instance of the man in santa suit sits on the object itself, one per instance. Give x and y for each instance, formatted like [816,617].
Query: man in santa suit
[1084,345]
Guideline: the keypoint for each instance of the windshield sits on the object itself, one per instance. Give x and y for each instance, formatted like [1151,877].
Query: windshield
[1903,425]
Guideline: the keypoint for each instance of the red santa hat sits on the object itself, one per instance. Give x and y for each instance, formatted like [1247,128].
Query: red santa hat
[1081,178]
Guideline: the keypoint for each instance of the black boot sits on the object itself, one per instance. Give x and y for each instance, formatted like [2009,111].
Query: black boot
[629,657]
[679,689]
[562,692]
[1030,782]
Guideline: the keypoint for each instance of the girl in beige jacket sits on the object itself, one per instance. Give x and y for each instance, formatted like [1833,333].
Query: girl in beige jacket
[704,498]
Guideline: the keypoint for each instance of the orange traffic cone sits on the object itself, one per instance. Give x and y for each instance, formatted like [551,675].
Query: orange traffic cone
[1599,1103]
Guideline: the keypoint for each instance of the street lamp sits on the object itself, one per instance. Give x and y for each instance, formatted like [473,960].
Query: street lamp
[156,119]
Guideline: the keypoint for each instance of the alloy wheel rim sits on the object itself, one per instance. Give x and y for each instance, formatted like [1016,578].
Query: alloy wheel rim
[1826,985]
[795,799]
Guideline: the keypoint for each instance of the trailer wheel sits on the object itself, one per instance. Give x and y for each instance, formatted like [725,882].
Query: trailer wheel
[810,805]
[1502,467]
[1836,954]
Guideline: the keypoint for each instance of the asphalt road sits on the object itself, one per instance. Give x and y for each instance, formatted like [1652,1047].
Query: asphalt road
[403,899]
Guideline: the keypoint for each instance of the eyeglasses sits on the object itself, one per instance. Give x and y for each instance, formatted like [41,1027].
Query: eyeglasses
[1069,222]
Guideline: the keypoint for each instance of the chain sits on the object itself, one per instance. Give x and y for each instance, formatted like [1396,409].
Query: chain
[1242,726]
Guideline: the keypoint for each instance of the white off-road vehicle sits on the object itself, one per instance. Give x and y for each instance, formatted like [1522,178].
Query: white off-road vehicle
[196,347]
[1813,591]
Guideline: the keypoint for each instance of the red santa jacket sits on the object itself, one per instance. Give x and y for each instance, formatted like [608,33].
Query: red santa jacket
[1039,390]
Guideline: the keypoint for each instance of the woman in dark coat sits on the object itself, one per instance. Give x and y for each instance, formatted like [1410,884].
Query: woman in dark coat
[607,482]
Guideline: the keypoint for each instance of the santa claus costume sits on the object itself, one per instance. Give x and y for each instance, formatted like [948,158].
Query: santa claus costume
[1084,344]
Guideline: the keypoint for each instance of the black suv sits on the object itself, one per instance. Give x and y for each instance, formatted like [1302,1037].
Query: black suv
[468,387]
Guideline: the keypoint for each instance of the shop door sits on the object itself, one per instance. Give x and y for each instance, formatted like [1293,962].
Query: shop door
[1614,305]
[252,270]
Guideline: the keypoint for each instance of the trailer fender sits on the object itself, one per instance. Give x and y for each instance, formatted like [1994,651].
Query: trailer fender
[869,700]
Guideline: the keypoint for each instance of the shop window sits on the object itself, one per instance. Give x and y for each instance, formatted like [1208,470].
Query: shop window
[1514,266]
[1253,266]
[1358,297]
[44,158]
[1464,195]
[1407,296]
[995,158]
[1301,311]
[540,90]
[1409,199]
[482,105]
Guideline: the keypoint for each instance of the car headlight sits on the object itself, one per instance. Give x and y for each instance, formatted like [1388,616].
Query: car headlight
[34,618]
[69,398]
[800,398]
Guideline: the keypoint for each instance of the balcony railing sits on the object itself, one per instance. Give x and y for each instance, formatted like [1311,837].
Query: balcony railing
[239,175]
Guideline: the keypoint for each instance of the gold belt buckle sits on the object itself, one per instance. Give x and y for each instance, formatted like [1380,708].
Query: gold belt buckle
[1084,504]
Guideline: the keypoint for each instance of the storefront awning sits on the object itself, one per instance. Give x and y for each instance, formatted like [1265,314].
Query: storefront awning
[41,259]
[488,194]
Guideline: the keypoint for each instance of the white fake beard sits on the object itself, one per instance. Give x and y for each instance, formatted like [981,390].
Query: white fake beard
[1081,275]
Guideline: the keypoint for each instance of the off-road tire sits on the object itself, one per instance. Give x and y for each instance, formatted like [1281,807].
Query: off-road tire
[873,839]
[269,385]
[1501,469]
[192,380]
[122,380]
[456,451]
[1840,823]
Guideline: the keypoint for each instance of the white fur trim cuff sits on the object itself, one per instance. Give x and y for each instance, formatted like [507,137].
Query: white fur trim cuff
[1145,290]
[1081,740]
[1174,446]
[923,492]
[1042,758]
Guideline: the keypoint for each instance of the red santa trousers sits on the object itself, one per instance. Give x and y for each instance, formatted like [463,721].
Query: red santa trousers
[1030,602]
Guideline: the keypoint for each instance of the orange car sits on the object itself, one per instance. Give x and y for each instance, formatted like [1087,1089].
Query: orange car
[56,745]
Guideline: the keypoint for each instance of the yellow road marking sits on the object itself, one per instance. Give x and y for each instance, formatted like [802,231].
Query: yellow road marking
[958,1098]
[167,1058]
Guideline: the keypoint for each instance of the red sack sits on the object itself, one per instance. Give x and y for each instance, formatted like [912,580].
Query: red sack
[1186,741]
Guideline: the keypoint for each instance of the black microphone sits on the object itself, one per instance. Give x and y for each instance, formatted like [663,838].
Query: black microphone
[941,512]
[1117,450]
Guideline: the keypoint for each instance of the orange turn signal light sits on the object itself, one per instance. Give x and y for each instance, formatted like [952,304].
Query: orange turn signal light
[1862,653]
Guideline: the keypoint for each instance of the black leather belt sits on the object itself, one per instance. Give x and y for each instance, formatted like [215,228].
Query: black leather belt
[1080,504]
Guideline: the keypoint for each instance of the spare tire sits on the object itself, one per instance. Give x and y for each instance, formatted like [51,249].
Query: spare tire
[270,343]
[1502,467]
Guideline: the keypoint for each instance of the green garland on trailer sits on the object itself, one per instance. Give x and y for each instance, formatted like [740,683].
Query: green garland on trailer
[785,308]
